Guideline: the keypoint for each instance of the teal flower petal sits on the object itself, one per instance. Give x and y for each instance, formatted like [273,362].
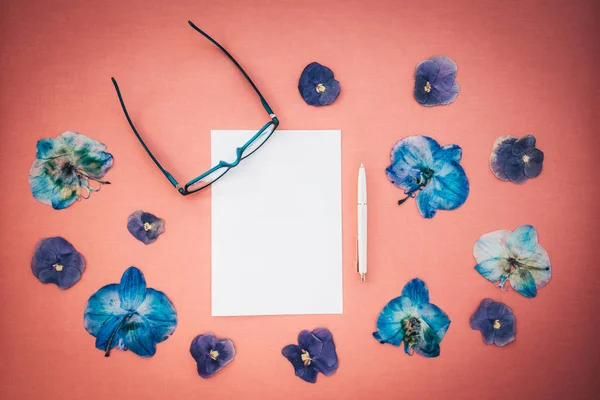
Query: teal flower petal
[522,281]
[159,313]
[430,345]
[522,242]
[132,289]
[491,245]
[450,187]
[138,337]
[539,267]
[493,269]
[88,154]
[446,154]
[389,323]
[103,305]
[416,291]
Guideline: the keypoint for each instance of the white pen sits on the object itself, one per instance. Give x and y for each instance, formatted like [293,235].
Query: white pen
[361,237]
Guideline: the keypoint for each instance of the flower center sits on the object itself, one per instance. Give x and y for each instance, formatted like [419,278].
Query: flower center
[147,226]
[424,177]
[497,324]
[320,88]
[214,354]
[58,267]
[305,358]
[526,159]
[68,168]
[427,87]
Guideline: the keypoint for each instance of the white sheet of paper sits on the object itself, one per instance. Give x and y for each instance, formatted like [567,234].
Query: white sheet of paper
[277,225]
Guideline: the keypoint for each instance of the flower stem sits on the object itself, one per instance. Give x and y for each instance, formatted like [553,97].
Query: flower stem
[112,335]
[409,194]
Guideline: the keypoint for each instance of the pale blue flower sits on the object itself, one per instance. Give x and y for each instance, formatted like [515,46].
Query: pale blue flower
[515,257]
[411,319]
[422,168]
[130,316]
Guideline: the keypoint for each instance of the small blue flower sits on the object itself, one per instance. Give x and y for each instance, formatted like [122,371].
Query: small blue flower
[515,257]
[434,82]
[317,86]
[516,160]
[496,322]
[129,316]
[145,227]
[211,353]
[314,353]
[64,167]
[56,261]
[411,319]
[422,168]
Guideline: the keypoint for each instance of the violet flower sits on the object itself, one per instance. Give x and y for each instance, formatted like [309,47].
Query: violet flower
[434,82]
[314,353]
[516,160]
[56,261]
[317,86]
[211,353]
[496,322]
[145,227]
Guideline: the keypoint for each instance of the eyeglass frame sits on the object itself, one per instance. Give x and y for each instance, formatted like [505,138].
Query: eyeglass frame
[222,164]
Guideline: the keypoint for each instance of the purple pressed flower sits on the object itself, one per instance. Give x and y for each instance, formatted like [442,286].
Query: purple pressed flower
[434,82]
[56,261]
[516,160]
[496,322]
[211,353]
[314,353]
[317,86]
[145,227]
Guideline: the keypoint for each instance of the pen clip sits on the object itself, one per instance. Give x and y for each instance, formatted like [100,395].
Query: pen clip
[357,266]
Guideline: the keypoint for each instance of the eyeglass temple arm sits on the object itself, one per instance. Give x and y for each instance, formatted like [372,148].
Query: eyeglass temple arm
[262,99]
[164,171]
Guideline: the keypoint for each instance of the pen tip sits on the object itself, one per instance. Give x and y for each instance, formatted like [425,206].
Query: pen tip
[361,165]
[363,277]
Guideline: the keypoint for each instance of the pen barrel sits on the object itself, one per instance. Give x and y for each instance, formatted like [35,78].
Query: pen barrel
[362,238]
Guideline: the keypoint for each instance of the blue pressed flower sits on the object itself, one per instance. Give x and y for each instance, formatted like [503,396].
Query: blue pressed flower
[317,86]
[434,82]
[56,261]
[411,319]
[516,160]
[145,227]
[515,257]
[129,316]
[496,322]
[211,353]
[422,168]
[314,353]
[64,167]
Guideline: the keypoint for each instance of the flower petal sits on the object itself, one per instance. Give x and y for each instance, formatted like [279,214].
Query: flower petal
[89,155]
[493,269]
[429,346]
[427,69]
[294,355]
[51,187]
[327,361]
[308,374]
[226,351]
[159,313]
[444,80]
[480,317]
[332,91]
[447,190]
[416,291]
[202,345]
[501,152]
[540,267]
[533,167]
[523,146]
[67,277]
[491,245]
[504,335]
[389,322]
[310,343]
[137,336]
[109,331]
[102,305]
[419,92]
[522,242]
[447,154]
[132,289]
[442,97]
[522,281]
[437,319]
[515,170]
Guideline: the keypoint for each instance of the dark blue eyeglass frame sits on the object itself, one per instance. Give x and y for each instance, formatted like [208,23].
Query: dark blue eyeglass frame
[218,171]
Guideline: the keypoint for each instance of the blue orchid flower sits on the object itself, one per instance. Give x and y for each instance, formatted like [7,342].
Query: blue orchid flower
[515,257]
[130,316]
[422,168]
[411,319]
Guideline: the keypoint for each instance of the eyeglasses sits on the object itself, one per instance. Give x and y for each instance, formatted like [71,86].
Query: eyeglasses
[219,170]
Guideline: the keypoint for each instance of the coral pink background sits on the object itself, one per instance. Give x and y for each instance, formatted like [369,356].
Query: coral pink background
[524,67]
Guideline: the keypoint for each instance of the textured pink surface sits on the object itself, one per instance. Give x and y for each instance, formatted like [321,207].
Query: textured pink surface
[527,66]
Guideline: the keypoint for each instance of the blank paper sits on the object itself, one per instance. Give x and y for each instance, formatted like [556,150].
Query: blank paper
[277,225]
